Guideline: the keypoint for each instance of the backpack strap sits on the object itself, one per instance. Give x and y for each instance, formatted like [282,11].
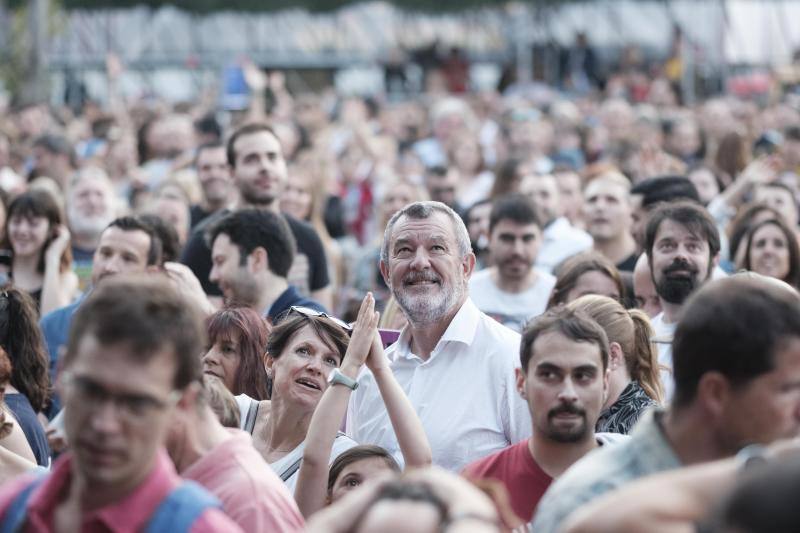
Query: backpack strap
[250,417]
[181,508]
[14,519]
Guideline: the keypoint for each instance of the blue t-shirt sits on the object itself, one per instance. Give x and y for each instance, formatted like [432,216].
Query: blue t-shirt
[34,432]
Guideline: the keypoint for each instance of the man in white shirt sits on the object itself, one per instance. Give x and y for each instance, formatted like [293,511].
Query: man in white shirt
[512,291]
[682,244]
[455,363]
[561,239]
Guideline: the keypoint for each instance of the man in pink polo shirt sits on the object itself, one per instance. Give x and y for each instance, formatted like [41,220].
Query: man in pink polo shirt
[131,357]
[226,464]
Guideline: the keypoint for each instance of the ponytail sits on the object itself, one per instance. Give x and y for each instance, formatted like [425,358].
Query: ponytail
[643,362]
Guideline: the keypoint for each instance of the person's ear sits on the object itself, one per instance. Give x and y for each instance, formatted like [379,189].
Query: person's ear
[468,264]
[521,381]
[189,396]
[714,393]
[384,268]
[615,356]
[258,260]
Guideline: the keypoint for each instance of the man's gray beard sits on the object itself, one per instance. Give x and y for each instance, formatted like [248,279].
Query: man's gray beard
[427,309]
[88,226]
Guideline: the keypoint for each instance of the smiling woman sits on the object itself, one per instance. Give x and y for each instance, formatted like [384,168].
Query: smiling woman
[302,351]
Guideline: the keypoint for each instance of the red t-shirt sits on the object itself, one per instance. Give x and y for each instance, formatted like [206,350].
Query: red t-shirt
[515,468]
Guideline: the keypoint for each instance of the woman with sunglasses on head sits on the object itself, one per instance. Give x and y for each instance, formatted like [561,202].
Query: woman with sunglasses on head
[303,349]
[317,485]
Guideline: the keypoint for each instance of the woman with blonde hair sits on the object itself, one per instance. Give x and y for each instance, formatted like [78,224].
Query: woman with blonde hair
[634,384]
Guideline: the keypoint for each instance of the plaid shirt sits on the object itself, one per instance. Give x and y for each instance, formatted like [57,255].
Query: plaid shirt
[606,469]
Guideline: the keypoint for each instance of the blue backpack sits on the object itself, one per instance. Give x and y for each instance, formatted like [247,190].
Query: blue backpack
[175,514]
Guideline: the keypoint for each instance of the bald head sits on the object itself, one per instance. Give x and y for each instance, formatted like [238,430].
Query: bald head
[643,288]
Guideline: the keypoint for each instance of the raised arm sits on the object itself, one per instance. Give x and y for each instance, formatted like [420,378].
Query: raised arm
[312,482]
[405,422]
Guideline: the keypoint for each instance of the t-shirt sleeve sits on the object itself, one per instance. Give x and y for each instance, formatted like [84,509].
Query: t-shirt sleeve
[310,245]
[215,521]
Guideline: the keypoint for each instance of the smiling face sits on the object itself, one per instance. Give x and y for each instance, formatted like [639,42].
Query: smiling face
[234,278]
[426,272]
[565,386]
[296,199]
[769,252]
[300,373]
[27,234]
[120,252]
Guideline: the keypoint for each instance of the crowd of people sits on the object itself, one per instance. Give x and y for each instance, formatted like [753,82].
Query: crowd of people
[541,310]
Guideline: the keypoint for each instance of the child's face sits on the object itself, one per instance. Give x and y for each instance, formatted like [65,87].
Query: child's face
[357,473]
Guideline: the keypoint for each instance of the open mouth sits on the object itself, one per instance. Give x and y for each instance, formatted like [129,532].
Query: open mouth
[210,372]
[308,383]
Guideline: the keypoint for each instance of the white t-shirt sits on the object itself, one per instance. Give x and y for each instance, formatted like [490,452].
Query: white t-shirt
[513,310]
[664,332]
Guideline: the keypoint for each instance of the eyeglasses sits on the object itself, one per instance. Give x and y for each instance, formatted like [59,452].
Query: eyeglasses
[308,312]
[131,407]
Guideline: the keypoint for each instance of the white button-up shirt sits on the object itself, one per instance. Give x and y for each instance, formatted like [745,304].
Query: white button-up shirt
[464,394]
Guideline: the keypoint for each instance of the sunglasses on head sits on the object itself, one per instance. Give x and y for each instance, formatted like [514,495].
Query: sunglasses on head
[308,312]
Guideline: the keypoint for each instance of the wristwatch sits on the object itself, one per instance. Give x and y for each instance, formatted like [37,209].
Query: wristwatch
[337,378]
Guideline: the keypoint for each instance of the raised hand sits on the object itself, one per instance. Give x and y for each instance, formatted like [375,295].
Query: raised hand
[377,359]
[58,245]
[364,331]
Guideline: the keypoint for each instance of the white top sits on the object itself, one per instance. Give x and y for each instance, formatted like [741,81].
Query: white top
[513,310]
[561,240]
[464,394]
[664,332]
[340,445]
[478,190]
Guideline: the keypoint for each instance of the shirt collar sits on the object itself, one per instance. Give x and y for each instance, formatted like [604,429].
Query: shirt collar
[129,514]
[657,451]
[283,302]
[461,329]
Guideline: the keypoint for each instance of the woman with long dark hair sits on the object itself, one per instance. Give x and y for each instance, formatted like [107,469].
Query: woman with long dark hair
[28,391]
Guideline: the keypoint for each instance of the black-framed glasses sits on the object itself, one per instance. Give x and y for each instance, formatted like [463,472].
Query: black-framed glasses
[309,312]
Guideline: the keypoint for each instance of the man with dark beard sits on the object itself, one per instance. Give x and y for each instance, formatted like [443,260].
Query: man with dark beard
[455,364]
[564,379]
[682,244]
[512,291]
